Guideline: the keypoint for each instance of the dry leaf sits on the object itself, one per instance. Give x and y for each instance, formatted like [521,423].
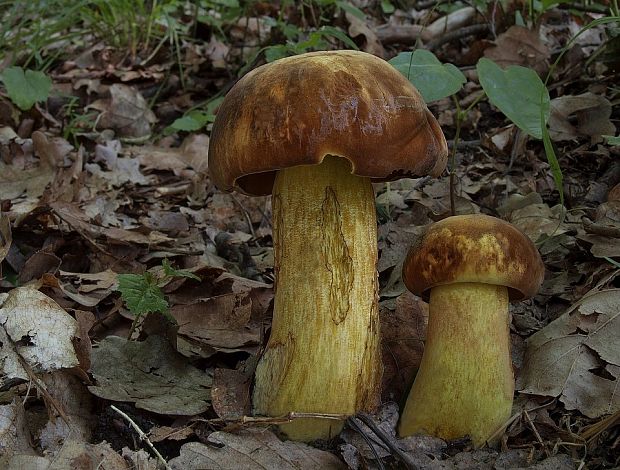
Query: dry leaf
[153,376]
[88,289]
[231,393]
[520,46]
[6,237]
[38,330]
[358,27]
[252,449]
[592,113]
[402,342]
[77,404]
[14,435]
[577,357]
[219,323]
[126,112]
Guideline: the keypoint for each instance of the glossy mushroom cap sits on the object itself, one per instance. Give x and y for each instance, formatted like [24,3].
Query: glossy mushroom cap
[296,110]
[474,248]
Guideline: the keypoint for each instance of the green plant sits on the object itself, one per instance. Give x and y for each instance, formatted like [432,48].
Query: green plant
[26,87]
[518,92]
[196,118]
[34,33]
[142,293]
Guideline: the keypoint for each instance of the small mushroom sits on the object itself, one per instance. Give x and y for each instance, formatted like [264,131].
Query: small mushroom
[315,130]
[472,265]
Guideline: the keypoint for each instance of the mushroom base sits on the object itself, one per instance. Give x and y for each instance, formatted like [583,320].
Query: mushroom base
[323,352]
[465,383]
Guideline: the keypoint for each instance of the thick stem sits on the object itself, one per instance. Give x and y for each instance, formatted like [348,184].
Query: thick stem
[323,352]
[465,383]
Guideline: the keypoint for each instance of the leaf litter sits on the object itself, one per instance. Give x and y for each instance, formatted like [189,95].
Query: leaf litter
[95,181]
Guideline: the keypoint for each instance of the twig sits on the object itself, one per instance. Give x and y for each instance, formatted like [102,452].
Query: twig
[248,219]
[405,34]
[402,456]
[600,229]
[536,433]
[143,437]
[40,386]
[425,4]
[351,422]
[284,419]
[457,34]
[464,144]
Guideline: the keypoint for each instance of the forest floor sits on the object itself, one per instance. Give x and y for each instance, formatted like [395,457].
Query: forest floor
[105,116]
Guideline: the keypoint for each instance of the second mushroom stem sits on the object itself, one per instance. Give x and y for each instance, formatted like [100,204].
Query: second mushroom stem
[323,352]
[465,382]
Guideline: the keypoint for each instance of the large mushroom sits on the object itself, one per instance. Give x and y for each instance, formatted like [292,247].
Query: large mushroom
[472,265]
[315,131]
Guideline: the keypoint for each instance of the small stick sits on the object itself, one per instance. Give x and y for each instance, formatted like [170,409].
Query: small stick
[536,433]
[402,456]
[287,418]
[457,34]
[354,425]
[600,229]
[143,437]
[248,219]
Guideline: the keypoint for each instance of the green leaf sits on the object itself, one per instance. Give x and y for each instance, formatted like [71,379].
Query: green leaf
[519,93]
[228,3]
[554,164]
[141,293]
[26,89]
[192,121]
[433,79]
[346,6]
[611,140]
[338,34]
[387,7]
[170,271]
[273,53]
[186,123]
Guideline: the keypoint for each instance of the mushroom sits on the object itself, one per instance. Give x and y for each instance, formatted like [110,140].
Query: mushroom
[472,265]
[315,130]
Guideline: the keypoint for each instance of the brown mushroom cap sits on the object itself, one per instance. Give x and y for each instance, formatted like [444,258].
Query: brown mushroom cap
[296,110]
[474,248]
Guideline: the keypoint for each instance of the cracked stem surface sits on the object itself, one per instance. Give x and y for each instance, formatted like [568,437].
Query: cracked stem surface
[465,383]
[323,352]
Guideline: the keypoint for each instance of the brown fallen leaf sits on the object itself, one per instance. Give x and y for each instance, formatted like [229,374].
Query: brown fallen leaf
[577,357]
[14,435]
[402,342]
[22,185]
[140,460]
[251,449]
[230,394]
[80,222]
[126,111]
[220,323]
[38,264]
[358,27]
[88,289]
[6,237]
[36,330]
[591,111]
[152,375]
[78,406]
[52,150]
[520,46]
[604,233]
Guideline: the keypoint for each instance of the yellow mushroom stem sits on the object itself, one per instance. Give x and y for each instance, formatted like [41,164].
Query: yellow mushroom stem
[465,382]
[323,352]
